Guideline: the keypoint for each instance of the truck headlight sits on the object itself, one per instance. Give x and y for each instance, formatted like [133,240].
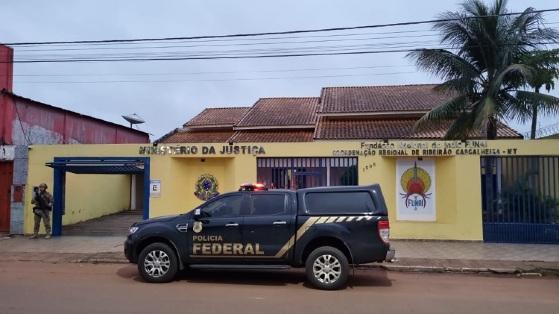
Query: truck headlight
[133,229]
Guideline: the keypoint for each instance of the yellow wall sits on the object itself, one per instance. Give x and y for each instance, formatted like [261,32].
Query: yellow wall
[458,182]
[90,196]
[178,177]
[87,196]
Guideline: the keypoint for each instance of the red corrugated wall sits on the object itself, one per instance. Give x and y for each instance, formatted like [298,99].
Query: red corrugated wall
[6,80]
[44,124]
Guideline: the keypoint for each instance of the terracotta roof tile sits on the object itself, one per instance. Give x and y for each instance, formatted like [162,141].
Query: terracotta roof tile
[198,137]
[269,136]
[380,98]
[294,111]
[217,117]
[389,129]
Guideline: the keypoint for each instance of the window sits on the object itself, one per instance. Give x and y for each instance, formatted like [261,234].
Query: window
[227,206]
[268,204]
[357,202]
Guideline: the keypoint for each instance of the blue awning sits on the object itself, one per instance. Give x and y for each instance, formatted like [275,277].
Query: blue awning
[108,165]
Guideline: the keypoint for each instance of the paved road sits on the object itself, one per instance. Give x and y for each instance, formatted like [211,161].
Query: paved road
[31,287]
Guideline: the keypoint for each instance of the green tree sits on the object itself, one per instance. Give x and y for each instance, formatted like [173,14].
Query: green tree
[546,71]
[480,68]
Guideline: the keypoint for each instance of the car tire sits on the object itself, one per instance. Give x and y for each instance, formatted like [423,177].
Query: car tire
[158,263]
[327,268]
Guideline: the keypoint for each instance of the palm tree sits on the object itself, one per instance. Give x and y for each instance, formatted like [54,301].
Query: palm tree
[480,67]
[546,66]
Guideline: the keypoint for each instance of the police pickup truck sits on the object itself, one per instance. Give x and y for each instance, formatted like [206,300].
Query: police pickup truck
[324,229]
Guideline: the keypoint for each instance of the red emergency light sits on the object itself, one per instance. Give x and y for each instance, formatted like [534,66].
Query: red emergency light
[253,187]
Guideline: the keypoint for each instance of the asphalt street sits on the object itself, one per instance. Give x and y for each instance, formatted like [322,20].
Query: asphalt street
[35,287]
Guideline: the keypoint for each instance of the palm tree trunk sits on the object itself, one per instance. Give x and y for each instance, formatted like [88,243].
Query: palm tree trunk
[491,128]
[534,117]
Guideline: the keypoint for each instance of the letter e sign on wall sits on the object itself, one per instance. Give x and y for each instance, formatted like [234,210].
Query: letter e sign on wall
[155,188]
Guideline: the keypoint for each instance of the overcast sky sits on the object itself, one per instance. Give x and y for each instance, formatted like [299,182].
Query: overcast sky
[166,105]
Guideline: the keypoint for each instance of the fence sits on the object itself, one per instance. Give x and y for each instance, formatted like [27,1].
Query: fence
[520,199]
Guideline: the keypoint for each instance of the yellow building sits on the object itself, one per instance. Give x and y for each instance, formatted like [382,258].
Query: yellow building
[499,190]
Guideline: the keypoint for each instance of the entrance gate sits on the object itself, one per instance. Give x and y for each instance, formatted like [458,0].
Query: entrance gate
[305,172]
[6,172]
[94,165]
[520,199]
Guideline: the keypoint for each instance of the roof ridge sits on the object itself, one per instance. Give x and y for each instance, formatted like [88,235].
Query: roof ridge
[235,107]
[187,123]
[369,86]
[287,97]
[251,108]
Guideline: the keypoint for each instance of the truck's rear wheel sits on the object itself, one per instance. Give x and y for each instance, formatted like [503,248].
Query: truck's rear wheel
[158,263]
[327,268]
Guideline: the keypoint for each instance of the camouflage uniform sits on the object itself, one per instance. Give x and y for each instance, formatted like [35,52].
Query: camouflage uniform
[42,211]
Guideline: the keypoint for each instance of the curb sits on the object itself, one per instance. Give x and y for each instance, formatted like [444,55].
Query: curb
[60,258]
[520,272]
[102,261]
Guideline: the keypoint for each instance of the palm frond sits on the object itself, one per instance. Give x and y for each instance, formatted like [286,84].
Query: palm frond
[522,70]
[547,104]
[462,85]
[486,108]
[461,128]
[444,64]
[454,29]
[514,108]
[443,112]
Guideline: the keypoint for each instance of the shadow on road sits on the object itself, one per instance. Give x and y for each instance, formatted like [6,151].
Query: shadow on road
[368,278]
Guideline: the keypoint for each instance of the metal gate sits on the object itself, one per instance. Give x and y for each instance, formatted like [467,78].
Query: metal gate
[304,172]
[6,172]
[519,197]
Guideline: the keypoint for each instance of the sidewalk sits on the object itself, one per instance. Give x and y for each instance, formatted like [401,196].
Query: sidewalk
[477,257]
[431,256]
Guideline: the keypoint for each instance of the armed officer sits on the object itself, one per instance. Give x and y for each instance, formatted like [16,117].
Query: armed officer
[42,201]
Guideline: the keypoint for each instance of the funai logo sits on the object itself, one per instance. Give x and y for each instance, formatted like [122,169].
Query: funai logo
[415,182]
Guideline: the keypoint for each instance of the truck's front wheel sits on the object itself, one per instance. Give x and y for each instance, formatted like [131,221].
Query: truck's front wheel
[158,263]
[327,268]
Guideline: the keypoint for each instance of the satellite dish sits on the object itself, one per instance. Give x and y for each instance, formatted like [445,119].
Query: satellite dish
[133,119]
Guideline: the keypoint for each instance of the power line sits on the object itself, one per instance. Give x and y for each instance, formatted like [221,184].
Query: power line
[411,44]
[217,56]
[332,29]
[212,80]
[215,72]
[106,46]
[229,45]
[237,39]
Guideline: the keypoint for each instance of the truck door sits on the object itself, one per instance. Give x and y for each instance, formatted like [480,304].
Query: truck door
[218,230]
[269,226]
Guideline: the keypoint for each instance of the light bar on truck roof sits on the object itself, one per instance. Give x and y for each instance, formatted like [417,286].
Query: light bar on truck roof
[253,187]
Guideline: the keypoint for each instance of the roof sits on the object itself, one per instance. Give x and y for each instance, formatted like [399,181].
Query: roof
[281,112]
[556,135]
[8,93]
[270,136]
[376,99]
[216,117]
[181,136]
[344,129]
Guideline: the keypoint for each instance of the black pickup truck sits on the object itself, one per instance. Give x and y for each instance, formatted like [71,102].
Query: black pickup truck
[323,229]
